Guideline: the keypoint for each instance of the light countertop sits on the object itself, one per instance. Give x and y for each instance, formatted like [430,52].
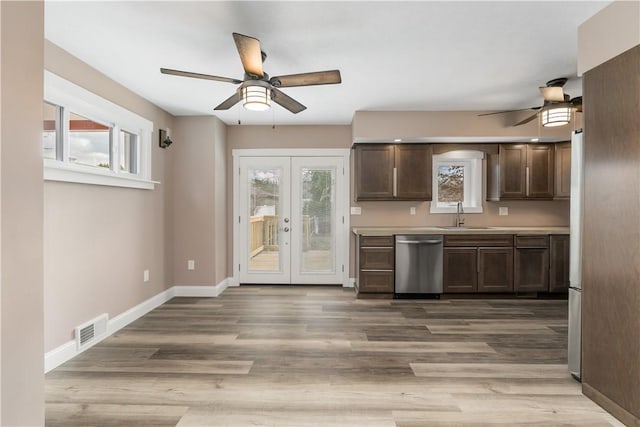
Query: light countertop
[385,231]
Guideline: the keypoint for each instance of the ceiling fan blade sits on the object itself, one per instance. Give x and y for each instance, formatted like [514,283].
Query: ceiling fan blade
[199,76]
[552,93]
[250,54]
[229,102]
[286,101]
[527,120]
[308,79]
[508,111]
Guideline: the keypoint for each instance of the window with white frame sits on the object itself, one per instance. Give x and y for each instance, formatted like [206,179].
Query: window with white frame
[457,177]
[88,139]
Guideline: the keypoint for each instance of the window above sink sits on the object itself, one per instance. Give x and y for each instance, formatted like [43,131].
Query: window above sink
[457,177]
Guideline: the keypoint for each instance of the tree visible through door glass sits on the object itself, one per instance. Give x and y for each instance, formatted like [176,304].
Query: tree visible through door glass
[264,199]
[318,212]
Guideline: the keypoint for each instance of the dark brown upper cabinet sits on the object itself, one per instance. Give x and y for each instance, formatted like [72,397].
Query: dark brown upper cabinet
[526,171]
[563,170]
[393,172]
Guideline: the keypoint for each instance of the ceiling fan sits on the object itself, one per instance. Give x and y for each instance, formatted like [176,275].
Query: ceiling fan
[257,90]
[555,100]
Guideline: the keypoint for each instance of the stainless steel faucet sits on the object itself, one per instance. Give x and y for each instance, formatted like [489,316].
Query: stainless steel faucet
[459,212]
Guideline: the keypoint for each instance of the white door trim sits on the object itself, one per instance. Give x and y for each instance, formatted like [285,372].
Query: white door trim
[345,153]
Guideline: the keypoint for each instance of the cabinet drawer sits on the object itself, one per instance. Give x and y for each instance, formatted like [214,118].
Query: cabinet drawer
[379,241]
[471,240]
[537,241]
[377,258]
[376,282]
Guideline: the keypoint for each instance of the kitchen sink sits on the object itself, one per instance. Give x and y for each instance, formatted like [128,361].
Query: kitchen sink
[464,227]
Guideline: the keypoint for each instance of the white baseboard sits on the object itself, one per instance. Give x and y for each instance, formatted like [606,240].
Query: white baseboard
[201,291]
[349,282]
[68,350]
[134,313]
[59,355]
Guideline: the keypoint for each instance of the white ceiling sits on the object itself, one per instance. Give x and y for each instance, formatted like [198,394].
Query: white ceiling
[392,55]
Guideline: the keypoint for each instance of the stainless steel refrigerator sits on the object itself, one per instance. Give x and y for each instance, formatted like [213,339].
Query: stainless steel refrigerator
[575,258]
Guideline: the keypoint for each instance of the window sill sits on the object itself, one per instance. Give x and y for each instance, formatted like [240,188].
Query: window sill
[452,210]
[58,171]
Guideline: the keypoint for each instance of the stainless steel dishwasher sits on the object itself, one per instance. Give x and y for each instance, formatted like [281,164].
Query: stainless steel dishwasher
[418,265]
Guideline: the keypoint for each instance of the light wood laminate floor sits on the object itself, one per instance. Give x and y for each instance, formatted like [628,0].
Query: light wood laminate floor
[316,356]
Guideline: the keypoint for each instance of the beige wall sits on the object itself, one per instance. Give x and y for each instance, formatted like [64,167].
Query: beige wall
[220,207]
[98,240]
[21,371]
[613,30]
[464,124]
[199,214]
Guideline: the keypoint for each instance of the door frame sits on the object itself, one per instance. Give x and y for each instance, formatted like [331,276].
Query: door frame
[345,153]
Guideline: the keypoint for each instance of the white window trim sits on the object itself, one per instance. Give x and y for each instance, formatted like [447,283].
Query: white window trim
[74,98]
[473,195]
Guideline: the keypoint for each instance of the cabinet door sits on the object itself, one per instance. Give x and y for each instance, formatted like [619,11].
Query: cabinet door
[513,163]
[540,162]
[460,270]
[413,166]
[563,170]
[559,263]
[495,272]
[374,171]
[531,270]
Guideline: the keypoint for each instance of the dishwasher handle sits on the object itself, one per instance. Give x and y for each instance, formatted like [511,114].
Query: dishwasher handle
[419,242]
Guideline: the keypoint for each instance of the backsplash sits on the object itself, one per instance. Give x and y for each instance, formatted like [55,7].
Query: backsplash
[521,213]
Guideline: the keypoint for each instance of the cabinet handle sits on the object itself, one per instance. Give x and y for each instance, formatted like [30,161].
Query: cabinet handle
[395,182]
[527,181]
[478,260]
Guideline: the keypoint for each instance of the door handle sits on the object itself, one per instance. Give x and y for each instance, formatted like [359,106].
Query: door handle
[286,220]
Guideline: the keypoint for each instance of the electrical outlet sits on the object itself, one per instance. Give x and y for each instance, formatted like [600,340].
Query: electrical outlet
[356,210]
[191,264]
[145,275]
[503,211]
[412,210]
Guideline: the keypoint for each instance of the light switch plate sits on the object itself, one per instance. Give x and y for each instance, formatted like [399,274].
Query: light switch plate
[412,210]
[503,210]
[145,275]
[191,264]
[356,210]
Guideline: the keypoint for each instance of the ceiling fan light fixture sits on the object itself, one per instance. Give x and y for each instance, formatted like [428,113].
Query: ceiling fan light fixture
[256,98]
[556,115]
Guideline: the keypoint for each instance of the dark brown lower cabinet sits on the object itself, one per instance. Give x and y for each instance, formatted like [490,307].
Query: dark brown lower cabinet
[559,263]
[460,271]
[478,268]
[495,269]
[376,282]
[376,263]
[531,270]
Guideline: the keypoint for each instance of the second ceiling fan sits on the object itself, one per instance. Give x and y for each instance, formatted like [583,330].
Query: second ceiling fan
[257,89]
[554,97]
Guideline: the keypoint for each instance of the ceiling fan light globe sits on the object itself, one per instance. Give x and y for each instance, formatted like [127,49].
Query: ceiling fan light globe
[256,98]
[555,116]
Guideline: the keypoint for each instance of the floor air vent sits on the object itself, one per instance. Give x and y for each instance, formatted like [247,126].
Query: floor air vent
[89,333]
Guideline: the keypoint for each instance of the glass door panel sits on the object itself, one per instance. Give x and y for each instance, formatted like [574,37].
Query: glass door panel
[265,205]
[314,239]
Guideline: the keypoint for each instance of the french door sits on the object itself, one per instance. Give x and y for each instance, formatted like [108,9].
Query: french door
[291,219]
